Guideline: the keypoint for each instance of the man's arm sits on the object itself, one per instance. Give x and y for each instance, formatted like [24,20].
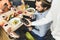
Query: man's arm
[43,21]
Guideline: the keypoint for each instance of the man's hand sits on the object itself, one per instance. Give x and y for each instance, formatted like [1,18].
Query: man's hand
[30,28]
[29,23]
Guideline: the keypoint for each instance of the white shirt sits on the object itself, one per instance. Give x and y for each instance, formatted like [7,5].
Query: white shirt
[45,20]
[55,10]
[41,30]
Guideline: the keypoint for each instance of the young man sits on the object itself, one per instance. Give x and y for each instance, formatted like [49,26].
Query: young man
[43,20]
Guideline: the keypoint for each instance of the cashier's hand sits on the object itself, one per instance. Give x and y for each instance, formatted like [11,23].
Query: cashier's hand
[1,11]
[30,28]
[9,30]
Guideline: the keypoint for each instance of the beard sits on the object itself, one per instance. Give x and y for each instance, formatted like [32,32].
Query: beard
[41,11]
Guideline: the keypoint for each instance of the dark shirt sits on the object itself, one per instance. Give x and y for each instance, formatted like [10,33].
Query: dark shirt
[16,2]
[30,3]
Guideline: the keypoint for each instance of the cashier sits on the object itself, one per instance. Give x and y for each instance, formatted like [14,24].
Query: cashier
[4,4]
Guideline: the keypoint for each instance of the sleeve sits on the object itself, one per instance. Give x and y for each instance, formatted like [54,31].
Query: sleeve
[43,21]
[36,31]
[34,16]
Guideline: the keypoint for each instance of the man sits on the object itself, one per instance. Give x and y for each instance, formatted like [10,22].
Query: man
[43,19]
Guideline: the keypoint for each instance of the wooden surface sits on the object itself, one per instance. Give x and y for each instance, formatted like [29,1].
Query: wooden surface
[3,35]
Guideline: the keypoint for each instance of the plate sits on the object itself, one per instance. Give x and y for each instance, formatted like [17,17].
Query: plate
[7,27]
[15,21]
[31,10]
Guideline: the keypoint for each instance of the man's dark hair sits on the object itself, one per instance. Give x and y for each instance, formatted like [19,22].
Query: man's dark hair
[45,3]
